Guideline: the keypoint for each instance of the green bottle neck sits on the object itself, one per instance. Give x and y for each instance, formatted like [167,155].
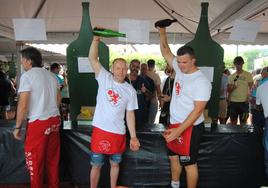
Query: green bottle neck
[85,28]
[203,28]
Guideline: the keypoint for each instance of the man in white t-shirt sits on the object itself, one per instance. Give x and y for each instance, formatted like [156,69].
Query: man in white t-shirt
[191,91]
[262,99]
[115,98]
[39,97]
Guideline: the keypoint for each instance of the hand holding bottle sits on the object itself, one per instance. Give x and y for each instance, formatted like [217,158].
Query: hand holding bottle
[96,38]
[107,33]
[164,23]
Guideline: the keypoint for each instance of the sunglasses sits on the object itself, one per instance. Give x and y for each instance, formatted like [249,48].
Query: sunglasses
[236,78]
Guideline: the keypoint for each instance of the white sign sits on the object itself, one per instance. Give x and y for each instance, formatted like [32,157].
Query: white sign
[208,72]
[29,29]
[244,31]
[84,66]
[137,31]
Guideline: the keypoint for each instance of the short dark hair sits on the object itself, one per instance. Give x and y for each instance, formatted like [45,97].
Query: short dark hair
[264,70]
[135,60]
[186,50]
[34,55]
[238,60]
[151,63]
[54,66]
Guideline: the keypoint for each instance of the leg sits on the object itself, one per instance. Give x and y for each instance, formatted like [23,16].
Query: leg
[175,167]
[152,112]
[191,175]
[233,113]
[115,159]
[244,113]
[114,173]
[222,111]
[97,160]
[265,142]
[191,166]
[222,120]
[94,176]
[53,154]
[35,146]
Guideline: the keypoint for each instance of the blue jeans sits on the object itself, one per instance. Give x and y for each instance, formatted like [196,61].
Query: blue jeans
[97,159]
[153,108]
[265,143]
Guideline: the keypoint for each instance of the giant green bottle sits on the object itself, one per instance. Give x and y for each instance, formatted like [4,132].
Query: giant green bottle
[209,54]
[83,86]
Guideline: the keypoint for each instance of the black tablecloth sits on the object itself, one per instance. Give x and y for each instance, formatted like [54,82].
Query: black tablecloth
[229,157]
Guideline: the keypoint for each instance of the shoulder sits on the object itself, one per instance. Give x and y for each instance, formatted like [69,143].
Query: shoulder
[248,74]
[150,80]
[201,79]
[200,76]
[103,73]
[129,87]
[263,86]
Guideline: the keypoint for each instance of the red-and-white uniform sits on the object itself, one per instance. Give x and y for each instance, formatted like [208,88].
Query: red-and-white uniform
[113,100]
[187,89]
[42,142]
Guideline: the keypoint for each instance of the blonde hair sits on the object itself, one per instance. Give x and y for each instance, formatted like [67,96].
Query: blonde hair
[119,59]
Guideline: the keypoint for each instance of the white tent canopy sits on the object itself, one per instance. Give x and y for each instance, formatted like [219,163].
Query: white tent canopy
[63,17]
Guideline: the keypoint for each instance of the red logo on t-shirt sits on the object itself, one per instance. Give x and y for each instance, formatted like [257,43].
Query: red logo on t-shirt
[113,97]
[178,88]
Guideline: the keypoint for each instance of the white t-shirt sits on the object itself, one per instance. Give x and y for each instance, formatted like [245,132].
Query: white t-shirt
[42,86]
[113,100]
[187,89]
[262,97]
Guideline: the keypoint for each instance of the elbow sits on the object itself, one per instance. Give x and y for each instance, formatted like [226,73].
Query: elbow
[199,111]
[90,58]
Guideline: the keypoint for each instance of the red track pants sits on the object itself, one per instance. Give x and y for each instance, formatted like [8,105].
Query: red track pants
[42,151]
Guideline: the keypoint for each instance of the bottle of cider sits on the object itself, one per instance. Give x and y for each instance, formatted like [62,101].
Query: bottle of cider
[209,54]
[83,86]
[164,23]
[107,33]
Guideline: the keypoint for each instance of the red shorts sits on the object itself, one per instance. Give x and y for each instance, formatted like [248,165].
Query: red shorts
[107,142]
[181,145]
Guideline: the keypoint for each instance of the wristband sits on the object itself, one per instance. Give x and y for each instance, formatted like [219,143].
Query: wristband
[17,128]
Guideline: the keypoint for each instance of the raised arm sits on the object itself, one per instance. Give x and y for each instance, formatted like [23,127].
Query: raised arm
[164,47]
[93,55]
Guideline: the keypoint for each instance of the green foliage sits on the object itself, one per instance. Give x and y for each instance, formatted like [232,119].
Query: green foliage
[229,55]
[12,69]
[248,55]
[265,63]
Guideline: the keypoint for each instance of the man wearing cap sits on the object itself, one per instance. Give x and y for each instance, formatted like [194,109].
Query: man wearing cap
[239,85]
[262,99]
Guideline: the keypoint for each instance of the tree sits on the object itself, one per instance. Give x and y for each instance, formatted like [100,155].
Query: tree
[249,57]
